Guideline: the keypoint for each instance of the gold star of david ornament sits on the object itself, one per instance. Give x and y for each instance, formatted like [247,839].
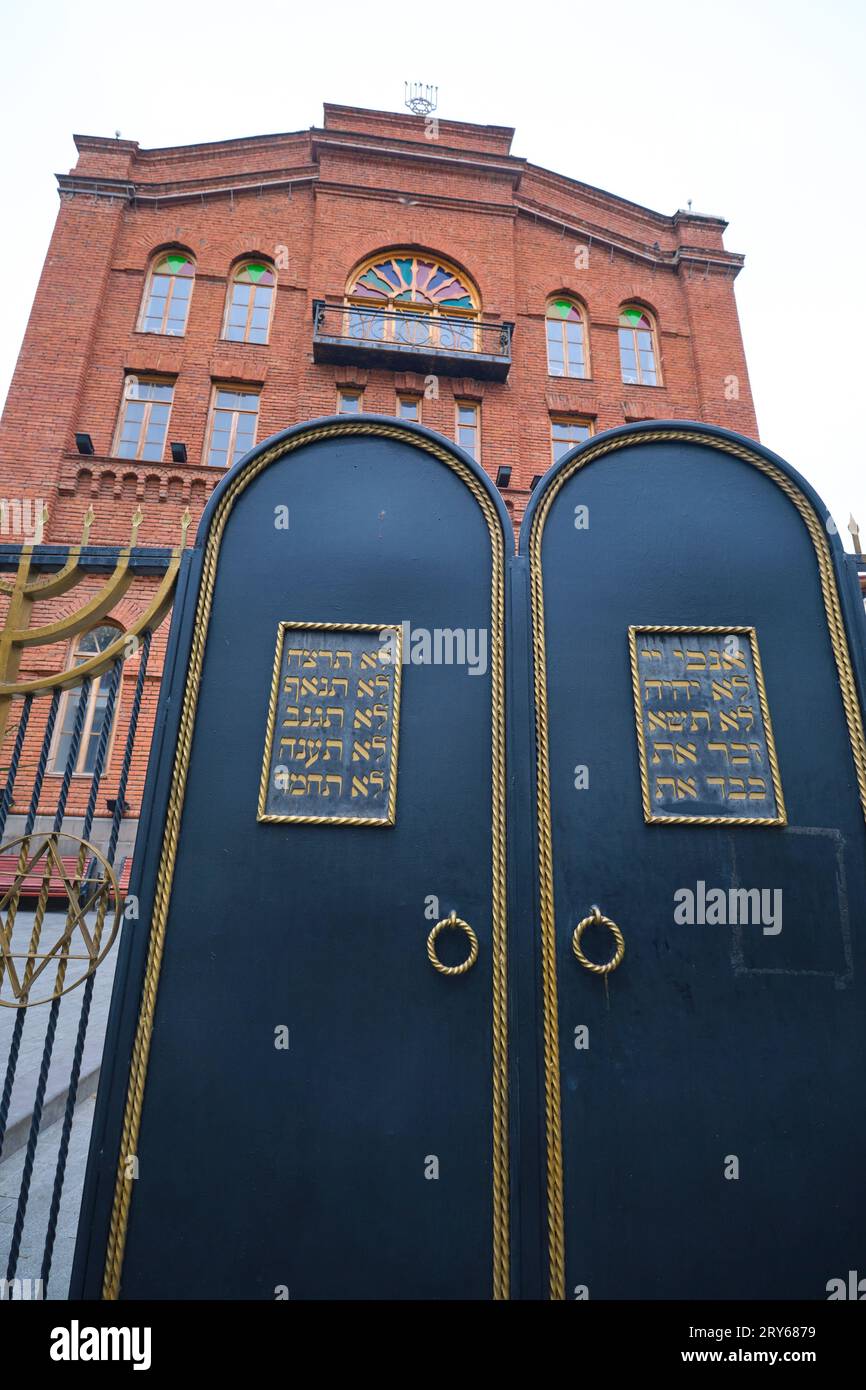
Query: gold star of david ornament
[38,963]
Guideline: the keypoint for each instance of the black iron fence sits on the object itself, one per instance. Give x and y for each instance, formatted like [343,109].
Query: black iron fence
[63,897]
[411,339]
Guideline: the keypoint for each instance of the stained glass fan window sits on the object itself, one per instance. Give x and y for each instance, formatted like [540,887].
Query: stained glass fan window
[435,306]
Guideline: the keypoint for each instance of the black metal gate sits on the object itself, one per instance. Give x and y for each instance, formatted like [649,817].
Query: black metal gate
[303,1099]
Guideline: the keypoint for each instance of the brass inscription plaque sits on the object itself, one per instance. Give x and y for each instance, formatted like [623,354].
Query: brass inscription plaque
[705,739]
[333,725]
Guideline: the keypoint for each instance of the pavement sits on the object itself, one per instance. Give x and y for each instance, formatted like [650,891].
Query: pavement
[36,1220]
[33,1037]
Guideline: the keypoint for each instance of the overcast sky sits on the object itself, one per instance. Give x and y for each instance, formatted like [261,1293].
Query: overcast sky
[754,109]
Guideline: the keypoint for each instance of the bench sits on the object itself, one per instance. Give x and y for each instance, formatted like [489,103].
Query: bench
[31,886]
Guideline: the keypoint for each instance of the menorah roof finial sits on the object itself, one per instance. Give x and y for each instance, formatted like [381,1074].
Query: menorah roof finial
[421,99]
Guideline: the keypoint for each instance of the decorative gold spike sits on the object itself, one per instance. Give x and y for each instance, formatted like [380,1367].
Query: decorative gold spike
[855,535]
[137,519]
[184,527]
[89,518]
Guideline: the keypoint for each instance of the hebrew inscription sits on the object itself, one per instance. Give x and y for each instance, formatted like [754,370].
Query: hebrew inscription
[333,722]
[704,734]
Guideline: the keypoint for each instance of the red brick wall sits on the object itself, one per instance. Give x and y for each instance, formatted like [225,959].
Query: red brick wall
[332,197]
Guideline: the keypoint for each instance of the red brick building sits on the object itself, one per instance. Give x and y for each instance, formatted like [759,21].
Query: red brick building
[197,299]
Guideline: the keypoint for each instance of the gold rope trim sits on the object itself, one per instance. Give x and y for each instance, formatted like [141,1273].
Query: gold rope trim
[165,874]
[850,702]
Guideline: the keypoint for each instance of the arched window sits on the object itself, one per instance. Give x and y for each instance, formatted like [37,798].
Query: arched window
[566,339]
[420,300]
[638,356]
[88,644]
[167,295]
[250,303]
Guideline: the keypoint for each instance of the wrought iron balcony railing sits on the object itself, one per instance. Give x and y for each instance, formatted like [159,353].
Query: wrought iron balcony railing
[411,340]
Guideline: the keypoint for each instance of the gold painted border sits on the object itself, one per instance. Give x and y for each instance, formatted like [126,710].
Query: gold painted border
[850,702]
[273,700]
[781,818]
[141,1048]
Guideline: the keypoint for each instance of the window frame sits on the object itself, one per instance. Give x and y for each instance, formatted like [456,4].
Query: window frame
[156,260]
[148,379]
[654,332]
[409,397]
[560,419]
[461,403]
[236,390]
[236,270]
[570,299]
[52,769]
[357,392]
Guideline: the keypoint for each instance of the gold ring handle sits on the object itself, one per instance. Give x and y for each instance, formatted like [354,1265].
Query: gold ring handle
[450,923]
[596,918]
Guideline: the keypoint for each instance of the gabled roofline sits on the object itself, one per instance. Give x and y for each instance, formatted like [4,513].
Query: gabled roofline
[498,163]
[604,195]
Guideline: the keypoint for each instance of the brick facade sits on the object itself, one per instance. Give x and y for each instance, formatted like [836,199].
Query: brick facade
[319,202]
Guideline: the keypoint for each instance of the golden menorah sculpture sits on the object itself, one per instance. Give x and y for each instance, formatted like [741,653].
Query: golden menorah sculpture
[29,587]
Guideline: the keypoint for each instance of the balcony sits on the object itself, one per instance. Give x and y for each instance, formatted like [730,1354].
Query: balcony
[411,341]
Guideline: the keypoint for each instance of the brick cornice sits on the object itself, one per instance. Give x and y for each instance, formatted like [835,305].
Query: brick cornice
[104,144]
[600,197]
[94,186]
[236,181]
[470,160]
[713,261]
[216,149]
[335,189]
[467,129]
[591,232]
[86,476]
